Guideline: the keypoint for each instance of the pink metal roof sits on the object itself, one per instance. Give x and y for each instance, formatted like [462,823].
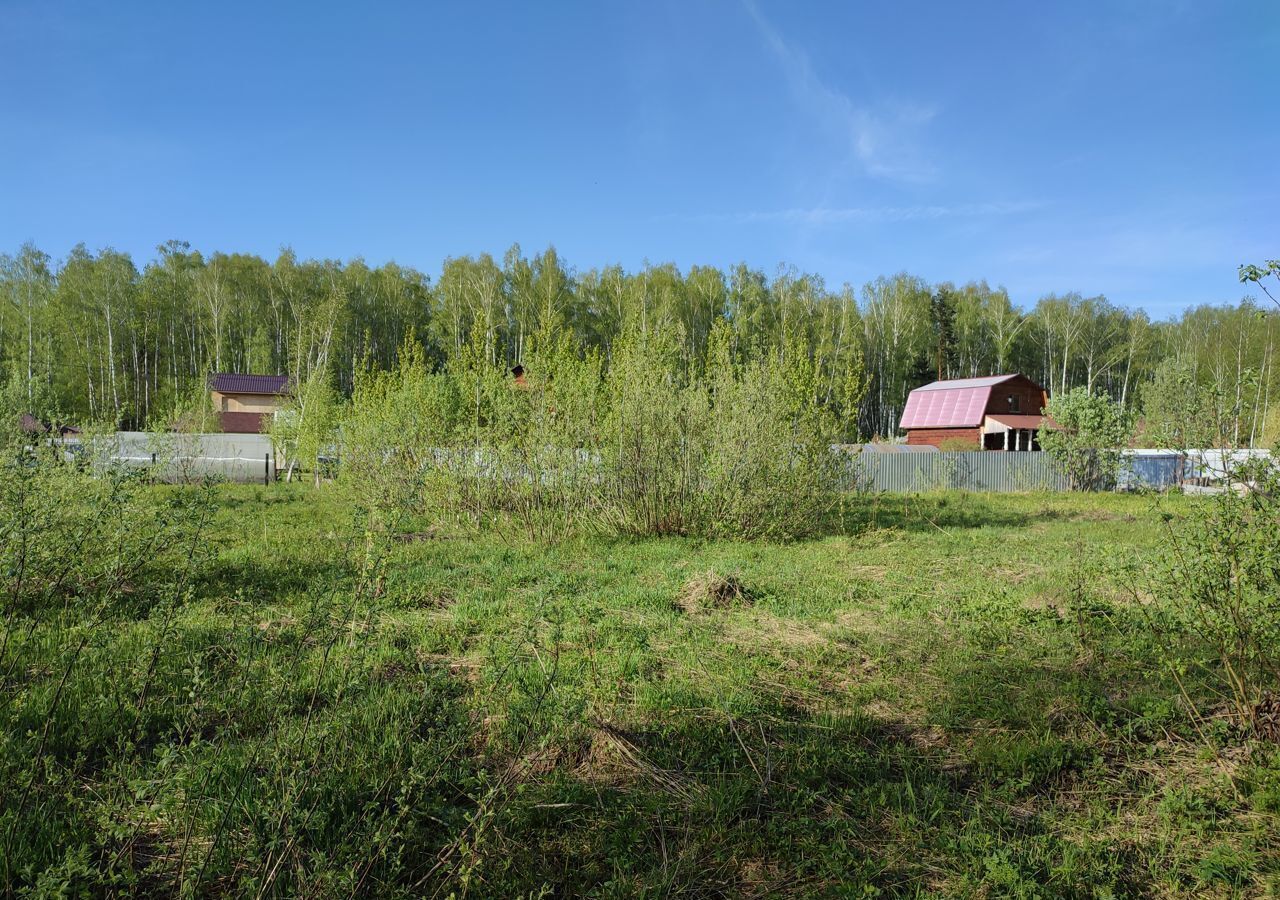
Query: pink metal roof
[958,403]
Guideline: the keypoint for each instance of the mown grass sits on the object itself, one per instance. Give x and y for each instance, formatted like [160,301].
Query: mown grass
[947,696]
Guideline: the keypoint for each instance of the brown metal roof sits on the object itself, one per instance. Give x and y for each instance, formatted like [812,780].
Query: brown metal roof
[31,425]
[234,383]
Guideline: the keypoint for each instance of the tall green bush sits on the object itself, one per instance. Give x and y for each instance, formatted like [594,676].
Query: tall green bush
[304,431]
[769,469]
[395,433]
[1178,412]
[1222,573]
[649,445]
[1092,430]
[654,433]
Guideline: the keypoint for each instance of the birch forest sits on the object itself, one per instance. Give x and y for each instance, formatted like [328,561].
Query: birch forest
[99,337]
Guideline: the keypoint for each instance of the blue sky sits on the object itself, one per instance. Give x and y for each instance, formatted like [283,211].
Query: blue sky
[1129,148]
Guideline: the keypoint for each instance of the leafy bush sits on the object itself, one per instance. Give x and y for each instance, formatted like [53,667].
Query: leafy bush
[1178,412]
[1092,429]
[85,549]
[1224,570]
[395,436]
[304,430]
[190,412]
[768,469]
[650,445]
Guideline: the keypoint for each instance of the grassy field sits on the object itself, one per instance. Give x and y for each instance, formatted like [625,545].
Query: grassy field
[950,696]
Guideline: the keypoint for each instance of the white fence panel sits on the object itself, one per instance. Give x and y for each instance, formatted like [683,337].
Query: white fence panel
[191,457]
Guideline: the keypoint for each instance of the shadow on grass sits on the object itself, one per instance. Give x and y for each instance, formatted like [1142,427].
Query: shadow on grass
[400,789]
[928,512]
[796,800]
[269,577]
[787,804]
[780,804]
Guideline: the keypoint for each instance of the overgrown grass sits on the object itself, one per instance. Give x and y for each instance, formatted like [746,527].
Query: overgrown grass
[947,695]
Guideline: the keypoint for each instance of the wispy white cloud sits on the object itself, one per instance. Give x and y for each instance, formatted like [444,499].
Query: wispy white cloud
[879,137]
[1139,244]
[826,215]
[1129,258]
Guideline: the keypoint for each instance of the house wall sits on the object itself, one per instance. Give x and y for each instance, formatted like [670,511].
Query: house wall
[1031,398]
[935,436]
[246,403]
[244,422]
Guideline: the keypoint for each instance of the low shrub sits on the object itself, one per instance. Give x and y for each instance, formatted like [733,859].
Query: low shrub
[1224,568]
[959,445]
[87,549]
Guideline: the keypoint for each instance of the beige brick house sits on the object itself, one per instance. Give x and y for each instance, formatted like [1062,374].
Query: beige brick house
[246,403]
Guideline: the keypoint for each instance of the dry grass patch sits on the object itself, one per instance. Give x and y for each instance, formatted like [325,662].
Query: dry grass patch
[760,628]
[614,756]
[1014,575]
[869,572]
[1055,603]
[711,590]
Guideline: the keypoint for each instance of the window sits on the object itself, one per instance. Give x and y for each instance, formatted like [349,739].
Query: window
[1015,403]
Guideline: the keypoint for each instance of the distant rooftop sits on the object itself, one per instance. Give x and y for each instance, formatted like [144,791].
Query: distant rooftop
[233,383]
[954,384]
[32,425]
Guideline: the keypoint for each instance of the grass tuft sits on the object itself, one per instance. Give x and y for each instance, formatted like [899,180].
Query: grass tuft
[711,590]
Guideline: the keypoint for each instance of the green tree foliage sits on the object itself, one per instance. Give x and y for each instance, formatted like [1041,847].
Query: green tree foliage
[1092,429]
[1179,412]
[897,335]
[647,445]
[192,412]
[305,430]
[117,343]
[397,421]
[1261,276]
[942,315]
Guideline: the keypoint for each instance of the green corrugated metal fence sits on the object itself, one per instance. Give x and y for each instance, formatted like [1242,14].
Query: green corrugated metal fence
[975,471]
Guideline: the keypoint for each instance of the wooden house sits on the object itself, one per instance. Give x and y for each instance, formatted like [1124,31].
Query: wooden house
[999,412]
[30,425]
